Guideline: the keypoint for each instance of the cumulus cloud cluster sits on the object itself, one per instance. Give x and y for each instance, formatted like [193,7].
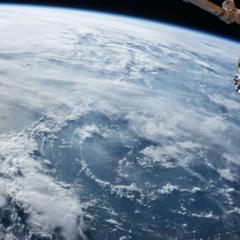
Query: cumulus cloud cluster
[47,204]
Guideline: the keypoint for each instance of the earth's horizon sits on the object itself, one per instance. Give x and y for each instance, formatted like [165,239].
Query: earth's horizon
[116,128]
[122,16]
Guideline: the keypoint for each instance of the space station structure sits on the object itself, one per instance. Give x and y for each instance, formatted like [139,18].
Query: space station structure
[237,78]
[228,12]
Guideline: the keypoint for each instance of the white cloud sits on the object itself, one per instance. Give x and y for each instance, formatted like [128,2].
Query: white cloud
[170,155]
[230,104]
[227,174]
[168,188]
[86,132]
[48,203]
[232,158]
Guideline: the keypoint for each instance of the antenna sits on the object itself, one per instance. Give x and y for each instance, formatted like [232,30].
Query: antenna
[228,12]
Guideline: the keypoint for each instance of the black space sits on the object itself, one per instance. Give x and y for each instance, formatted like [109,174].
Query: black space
[173,11]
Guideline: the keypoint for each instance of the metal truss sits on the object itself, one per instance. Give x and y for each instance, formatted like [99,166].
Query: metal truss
[228,12]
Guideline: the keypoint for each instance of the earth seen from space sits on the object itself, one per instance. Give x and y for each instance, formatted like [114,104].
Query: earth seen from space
[116,128]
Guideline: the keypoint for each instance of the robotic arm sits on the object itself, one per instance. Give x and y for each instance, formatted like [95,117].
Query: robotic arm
[228,12]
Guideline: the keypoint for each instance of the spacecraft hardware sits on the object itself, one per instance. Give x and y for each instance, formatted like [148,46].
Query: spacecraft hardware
[237,78]
[228,12]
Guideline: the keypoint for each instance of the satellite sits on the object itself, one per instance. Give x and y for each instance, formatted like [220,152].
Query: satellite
[237,78]
[228,12]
